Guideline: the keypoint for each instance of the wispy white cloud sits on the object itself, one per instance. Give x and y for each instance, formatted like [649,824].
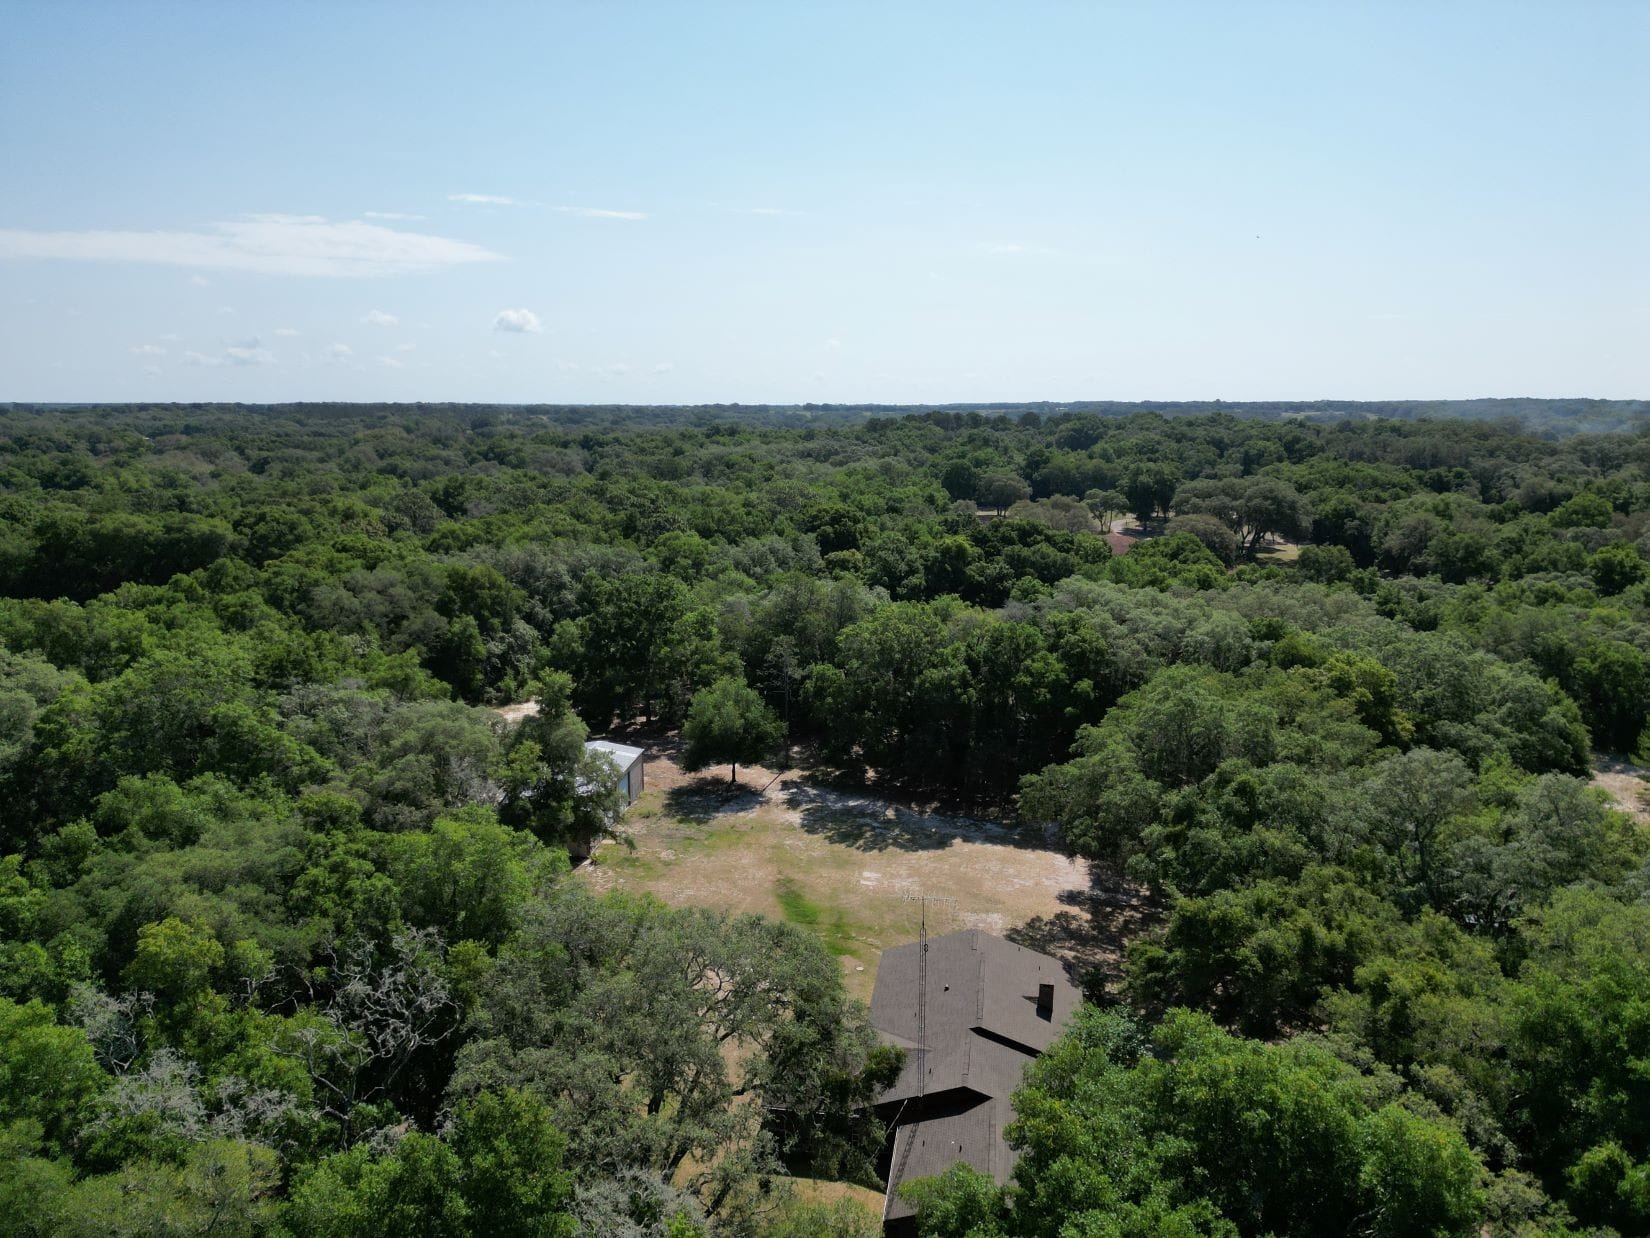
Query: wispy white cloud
[567,367]
[147,350]
[338,352]
[596,212]
[238,352]
[393,216]
[390,363]
[483,199]
[833,343]
[761,210]
[378,318]
[664,367]
[518,321]
[264,244]
[200,281]
[405,347]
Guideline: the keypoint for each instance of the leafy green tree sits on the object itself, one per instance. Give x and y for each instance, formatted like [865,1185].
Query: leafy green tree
[511,1176]
[1001,489]
[1150,488]
[960,479]
[1325,564]
[1576,1027]
[1613,689]
[627,1018]
[1105,506]
[551,783]
[1263,955]
[1409,806]
[1115,1140]
[1616,567]
[414,1189]
[48,1073]
[728,722]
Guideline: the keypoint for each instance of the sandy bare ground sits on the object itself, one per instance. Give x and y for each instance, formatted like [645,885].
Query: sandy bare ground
[851,866]
[515,713]
[1625,783]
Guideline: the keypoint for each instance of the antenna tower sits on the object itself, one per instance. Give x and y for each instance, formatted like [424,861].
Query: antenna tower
[922,901]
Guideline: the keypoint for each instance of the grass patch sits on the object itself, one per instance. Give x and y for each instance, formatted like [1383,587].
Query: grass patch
[830,924]
[632,864]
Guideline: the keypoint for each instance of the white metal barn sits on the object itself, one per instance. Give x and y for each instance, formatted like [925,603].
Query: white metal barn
[629,761]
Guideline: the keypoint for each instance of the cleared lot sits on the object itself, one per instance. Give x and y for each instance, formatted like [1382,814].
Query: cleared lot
[848,864]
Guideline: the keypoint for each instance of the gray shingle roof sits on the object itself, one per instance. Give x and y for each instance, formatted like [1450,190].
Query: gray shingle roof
[982,1027]
[982,990]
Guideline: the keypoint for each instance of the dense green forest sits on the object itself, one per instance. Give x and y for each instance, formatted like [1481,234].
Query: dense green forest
[288,942]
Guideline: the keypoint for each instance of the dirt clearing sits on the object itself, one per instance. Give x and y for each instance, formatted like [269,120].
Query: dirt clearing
[1625,783]
[849,866]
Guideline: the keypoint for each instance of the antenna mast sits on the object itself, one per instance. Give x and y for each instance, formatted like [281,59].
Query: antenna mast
[922,901]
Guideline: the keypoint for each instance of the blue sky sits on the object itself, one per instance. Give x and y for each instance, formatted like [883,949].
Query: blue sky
[785,202]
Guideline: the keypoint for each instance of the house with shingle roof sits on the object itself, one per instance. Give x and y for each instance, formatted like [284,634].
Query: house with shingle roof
[970,1015]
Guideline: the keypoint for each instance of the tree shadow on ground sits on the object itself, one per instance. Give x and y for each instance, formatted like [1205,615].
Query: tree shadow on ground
[702,800]
[1091,936]
[655,738]
[867,822]
[857,780]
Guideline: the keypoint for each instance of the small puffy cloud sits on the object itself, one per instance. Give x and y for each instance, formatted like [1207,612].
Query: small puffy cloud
[517,321]
[339,351]
[200,281]
[664,367]
[391,363]
[405,347]
[617,370]
[249,356]
[226,311]
[378,318]
[595,212]
[567,367]
[482,199]
[833,343]
[286,332]
[148,350]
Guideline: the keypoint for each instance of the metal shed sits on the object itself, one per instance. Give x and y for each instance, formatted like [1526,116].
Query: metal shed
[630,761]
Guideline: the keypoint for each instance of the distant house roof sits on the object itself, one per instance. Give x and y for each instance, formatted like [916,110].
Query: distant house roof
[622,755]
[982,1026]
